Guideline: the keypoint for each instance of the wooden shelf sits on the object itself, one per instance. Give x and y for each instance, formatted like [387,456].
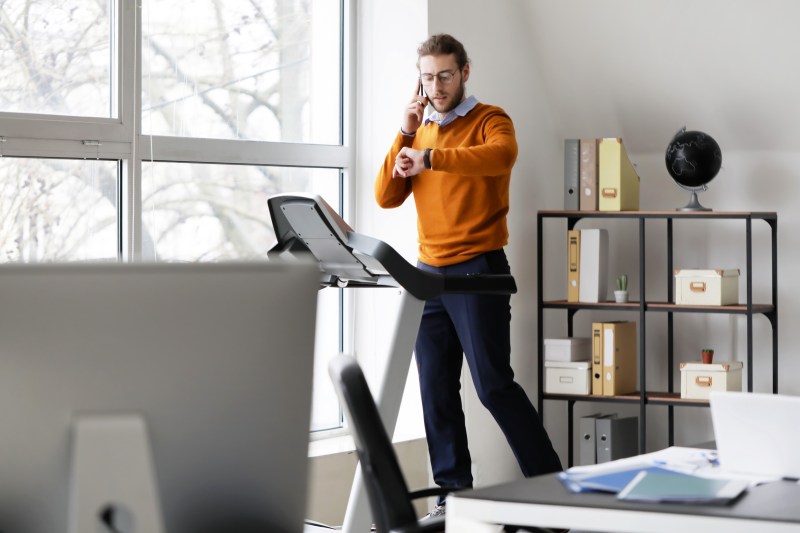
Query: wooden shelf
[563,304]
[626,398]
[736,215]
[660,306]
[739,309]
[651,398]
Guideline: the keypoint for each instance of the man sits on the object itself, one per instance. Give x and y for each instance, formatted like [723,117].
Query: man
[458,162]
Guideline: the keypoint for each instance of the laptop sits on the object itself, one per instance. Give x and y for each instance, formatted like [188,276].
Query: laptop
[757,433]
[216,360]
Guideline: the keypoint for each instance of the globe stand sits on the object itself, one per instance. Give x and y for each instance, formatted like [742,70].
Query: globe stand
[694,203]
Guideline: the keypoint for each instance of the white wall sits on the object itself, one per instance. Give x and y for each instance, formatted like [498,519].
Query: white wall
[640,71]
[388,36]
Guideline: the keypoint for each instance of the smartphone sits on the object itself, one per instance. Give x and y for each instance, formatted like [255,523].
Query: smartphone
[422,90]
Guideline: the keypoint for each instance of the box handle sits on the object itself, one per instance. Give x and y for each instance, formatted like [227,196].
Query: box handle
[703,381]
[697,286]
[609,192]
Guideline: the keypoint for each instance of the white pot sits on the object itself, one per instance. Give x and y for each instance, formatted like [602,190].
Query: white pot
[621,296]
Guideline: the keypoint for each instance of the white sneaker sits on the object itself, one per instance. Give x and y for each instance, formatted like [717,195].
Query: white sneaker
[437,511]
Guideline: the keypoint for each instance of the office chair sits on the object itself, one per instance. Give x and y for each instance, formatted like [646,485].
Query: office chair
[386,487]
[388,494]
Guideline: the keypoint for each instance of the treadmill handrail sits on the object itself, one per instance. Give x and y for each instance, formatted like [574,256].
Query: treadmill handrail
[419,283]
[423,284]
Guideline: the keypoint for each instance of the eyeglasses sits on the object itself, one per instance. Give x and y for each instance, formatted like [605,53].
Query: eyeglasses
[445,77]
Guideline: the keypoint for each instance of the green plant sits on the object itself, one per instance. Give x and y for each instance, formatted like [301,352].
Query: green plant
[710,350]
[622,282]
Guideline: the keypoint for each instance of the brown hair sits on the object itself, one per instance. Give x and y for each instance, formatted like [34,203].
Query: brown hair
[443,44]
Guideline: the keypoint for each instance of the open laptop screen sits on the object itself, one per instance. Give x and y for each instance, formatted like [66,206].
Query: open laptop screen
[757,433]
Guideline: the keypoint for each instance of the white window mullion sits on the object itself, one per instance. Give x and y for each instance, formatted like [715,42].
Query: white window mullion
[193,150]
[130,98]
[88,148]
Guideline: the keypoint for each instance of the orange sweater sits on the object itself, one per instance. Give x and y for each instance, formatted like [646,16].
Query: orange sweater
[462,203]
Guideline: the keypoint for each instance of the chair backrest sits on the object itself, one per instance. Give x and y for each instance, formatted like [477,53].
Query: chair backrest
[386,487]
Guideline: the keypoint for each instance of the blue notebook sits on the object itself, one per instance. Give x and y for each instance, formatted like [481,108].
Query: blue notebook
[607,482]
[681,488]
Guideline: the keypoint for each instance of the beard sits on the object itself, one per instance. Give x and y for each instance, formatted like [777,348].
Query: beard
[458,96]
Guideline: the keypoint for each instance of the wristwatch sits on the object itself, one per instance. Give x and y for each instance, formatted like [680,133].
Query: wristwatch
[426,158]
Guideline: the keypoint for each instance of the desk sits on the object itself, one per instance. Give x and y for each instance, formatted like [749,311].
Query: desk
[543,501]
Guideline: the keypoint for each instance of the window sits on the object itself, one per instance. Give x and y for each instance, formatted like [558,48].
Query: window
[242,69]
[58,210]
[206,212]
[167,147]
[56,57]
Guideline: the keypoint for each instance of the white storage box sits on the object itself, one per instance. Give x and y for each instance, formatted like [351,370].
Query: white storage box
[567,377]
[706,287]
[698,379]
[568,349]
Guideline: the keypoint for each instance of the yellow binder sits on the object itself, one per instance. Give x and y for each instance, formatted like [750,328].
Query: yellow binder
[619,358]
[618,182]
[573,265]
[597,358]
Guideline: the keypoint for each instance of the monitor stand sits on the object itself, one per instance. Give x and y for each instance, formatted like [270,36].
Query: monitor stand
[113,485]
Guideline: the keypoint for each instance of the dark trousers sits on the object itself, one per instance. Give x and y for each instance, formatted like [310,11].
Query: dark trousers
[478,327]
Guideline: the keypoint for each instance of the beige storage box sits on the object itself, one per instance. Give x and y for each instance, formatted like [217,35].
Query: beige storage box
[568,349]
[567,377]
[698,379]
[706,287]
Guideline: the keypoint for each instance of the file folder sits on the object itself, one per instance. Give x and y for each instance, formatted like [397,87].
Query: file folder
[571,162]
[616,438]
[618,183]
[597,359]
[593,266]
[588,446]
[588,175]
[573,265]
[619,358]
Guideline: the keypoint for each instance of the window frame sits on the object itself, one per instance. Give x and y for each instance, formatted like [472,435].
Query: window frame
[121,138]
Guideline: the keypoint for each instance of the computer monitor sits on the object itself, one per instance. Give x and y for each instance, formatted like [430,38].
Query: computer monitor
[214,362]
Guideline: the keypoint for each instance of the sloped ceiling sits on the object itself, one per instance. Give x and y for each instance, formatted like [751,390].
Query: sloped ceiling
[641,69]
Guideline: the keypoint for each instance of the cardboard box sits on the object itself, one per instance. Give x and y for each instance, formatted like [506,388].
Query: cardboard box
[567,377]
[706,287]
[698,379]
[568,349]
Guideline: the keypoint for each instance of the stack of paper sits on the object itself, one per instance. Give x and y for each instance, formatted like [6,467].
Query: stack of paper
[685,475]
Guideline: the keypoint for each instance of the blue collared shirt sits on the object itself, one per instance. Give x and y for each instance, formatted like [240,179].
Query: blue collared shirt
[460,110]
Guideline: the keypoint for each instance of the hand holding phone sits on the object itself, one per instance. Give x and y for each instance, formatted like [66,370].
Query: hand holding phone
[415,110]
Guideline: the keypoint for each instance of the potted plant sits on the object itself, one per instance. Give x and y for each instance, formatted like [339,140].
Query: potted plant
[621,294]
[707,355]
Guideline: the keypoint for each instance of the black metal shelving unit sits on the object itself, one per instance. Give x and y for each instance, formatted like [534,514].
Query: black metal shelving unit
[645,397]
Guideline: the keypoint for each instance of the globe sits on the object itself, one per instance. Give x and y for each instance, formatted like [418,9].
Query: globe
[693,158]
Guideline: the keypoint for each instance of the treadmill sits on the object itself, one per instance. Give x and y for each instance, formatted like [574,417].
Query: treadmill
[305,225]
